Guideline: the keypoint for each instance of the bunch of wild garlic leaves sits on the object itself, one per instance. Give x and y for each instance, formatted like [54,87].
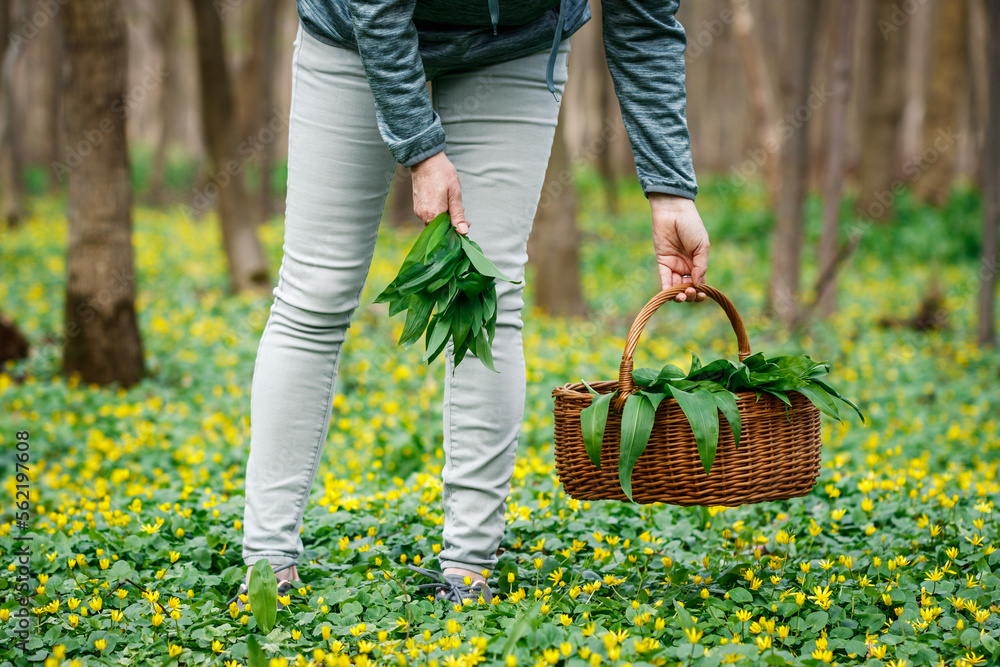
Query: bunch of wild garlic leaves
[448,288]
[702,393]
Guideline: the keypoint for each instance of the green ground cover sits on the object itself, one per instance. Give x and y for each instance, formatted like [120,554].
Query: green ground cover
[891,560]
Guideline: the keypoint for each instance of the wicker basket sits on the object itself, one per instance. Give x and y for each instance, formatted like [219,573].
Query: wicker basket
[778,456]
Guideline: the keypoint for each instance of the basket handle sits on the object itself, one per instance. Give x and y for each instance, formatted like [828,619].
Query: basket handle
[626,385]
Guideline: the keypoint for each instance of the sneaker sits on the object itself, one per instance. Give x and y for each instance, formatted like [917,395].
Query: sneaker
[242,595]
[452,587]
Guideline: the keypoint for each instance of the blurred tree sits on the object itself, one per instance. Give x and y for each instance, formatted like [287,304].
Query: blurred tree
[255,90]
[761,98]
[164,31]
[947,82]
[991,188]
[247,266]
[881,102]
[13,344]
[554,244]
[401,199]
[843,49]
[102,336]
[800,30]
[919,35]
[11,161]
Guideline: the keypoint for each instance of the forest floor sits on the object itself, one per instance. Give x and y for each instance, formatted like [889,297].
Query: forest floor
[892,559]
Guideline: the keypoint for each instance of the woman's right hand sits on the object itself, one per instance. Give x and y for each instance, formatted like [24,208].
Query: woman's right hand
[436,189]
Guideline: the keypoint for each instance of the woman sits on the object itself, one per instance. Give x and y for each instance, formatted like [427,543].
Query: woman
[477,147]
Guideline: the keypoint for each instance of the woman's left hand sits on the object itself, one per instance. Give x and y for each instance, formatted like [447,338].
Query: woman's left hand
[680,243]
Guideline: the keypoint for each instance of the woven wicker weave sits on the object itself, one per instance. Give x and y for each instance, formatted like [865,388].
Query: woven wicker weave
[778,456]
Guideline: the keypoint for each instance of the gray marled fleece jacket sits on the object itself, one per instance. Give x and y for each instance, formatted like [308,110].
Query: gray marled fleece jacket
[403,43]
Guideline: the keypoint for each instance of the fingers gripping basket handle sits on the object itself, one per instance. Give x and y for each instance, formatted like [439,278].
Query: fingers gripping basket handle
[626,385]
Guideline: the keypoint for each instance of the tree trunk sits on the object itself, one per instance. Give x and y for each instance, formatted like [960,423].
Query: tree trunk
[102,335]
[840,79]
[165,31]
[947,76]
[13,344]
[761,96]
[265,44]
[919,32]
[786,245]
[991,189]
[247,266]
[554,245]
[11,167]
[401,208]
[882,114]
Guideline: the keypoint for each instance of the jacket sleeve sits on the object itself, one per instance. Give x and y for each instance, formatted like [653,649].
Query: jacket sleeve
[645,48]
[388,45]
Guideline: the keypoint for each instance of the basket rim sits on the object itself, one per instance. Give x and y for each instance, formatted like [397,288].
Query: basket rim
[575,390]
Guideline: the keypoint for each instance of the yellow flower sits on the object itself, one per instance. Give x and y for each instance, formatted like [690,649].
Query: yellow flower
[764,642]
[100,644]
[693,634]
[821,596]
[174,650]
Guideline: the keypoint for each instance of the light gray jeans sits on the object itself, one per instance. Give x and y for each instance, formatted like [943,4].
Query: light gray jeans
[499,121]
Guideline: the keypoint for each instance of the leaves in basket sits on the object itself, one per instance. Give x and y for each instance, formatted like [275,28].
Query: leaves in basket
[637,424]
[593,421]
[703,414]
[704,392]
[447,287]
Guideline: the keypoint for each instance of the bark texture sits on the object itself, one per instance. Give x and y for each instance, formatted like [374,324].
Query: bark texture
[786,244]
[554,246]
[102,336]
[991,190]
[947,77]
[882,104]
[247,265]
[840,78]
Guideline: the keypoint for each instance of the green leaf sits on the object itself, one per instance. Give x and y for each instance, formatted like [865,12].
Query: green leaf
[669,372]
[263,594]
[637,424]
[437,336]
[654,398]
[520,627]
[817,620]
[833,392]
[719,370]
[481,262]
[430,237]
[703,416]
[443,262]
[695,363]
[120,570]
[686,621]
[483,352]
[821,400]
[416,320]
[740,595]
[799,365]
[644,377]
[726,402]
[255,656]
[593,421]
[472,284]
[461,322]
